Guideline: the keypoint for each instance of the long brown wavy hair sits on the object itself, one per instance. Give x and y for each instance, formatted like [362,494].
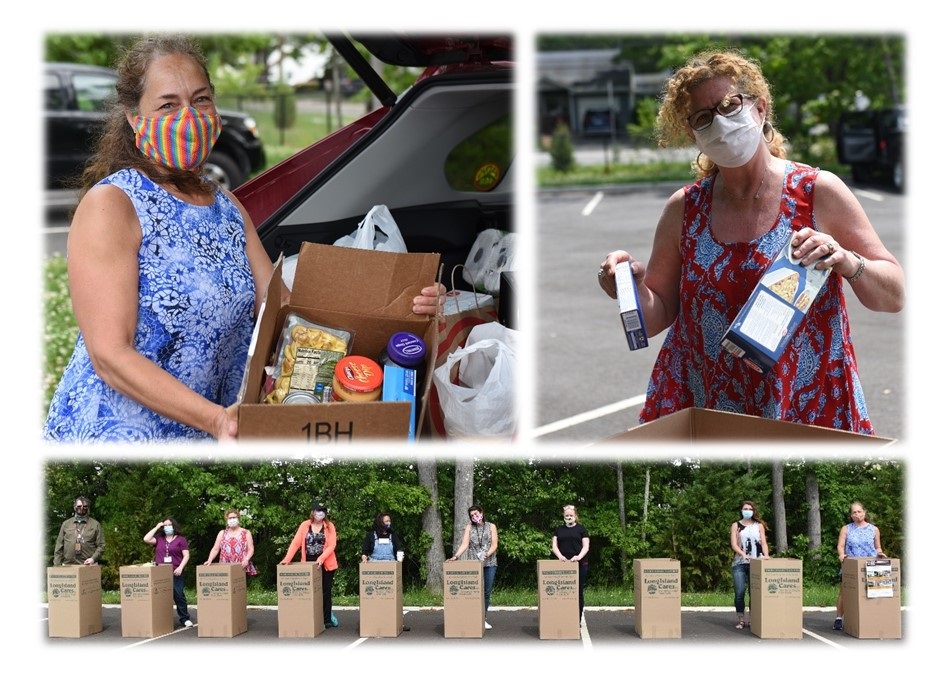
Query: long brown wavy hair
[672,126]
[115,147]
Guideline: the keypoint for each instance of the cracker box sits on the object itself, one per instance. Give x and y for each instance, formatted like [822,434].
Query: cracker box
[367,293]
[777,306]
[630,312]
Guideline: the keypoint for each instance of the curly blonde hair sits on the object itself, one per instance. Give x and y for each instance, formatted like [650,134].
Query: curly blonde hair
[672,126]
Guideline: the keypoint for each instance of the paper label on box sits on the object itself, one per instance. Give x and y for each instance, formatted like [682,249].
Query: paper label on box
[879,579]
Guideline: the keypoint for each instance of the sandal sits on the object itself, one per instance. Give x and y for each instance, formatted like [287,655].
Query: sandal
[740,625]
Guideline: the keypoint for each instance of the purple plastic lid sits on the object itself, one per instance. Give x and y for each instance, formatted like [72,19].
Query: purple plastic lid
[406,349]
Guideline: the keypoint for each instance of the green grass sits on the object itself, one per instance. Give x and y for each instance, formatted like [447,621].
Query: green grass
[615,174]
[814,595]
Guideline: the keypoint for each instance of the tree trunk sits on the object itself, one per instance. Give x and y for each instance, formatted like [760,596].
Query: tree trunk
[432,525]
[621,500]
[646,503]
[464,497]
[777,503]
[812,495]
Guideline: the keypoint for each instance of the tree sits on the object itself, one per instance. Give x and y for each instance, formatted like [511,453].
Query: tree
[561,149]
[779,523]
[464,494]
[432,527]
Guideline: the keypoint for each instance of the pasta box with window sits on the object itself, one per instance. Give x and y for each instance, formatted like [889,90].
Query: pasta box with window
[777,306]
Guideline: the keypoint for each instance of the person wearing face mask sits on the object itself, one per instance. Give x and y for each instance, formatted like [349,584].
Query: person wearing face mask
[166,270]
[571,543]
[381,543]
[234,544]
[315,540]
[480,542]
[748,541]
[80,539]
[858,538]
[171,547]
[716,237]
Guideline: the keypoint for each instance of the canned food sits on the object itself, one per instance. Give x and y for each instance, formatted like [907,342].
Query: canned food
[357,379]
[300,398]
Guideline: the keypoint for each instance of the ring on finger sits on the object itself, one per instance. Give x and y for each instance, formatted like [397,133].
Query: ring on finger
[831,247]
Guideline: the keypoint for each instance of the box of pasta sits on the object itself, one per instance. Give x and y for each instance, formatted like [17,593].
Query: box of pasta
[777,306]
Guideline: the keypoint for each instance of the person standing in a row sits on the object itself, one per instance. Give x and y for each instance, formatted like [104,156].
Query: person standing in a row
[80,539]
[858,538]
[171,547]
[235,544]
[571,543]
[748,541]
[480,542]
[381,543]
[316,541]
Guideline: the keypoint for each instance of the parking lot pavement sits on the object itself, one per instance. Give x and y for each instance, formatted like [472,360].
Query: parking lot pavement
[518,627]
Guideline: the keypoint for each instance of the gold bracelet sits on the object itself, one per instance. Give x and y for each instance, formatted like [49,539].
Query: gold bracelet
[863,264]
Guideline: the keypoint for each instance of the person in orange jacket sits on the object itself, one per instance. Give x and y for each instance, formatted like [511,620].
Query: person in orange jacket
[316,541]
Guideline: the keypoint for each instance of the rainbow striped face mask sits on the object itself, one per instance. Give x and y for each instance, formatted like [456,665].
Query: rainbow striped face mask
[182,141]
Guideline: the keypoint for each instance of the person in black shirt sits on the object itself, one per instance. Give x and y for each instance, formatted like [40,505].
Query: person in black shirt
[571,543]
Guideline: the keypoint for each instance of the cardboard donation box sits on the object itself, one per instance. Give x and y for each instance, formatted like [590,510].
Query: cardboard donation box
[558,599]
[299,600]
[464,599]
[657,589]
[696,424]
[380,599]
[147,600]
[222,600]
[367,294]
[871,591]
[777,598]
[74,594]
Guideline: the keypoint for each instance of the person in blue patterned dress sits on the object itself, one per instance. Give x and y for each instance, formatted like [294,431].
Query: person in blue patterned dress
[166,271]
[859,538]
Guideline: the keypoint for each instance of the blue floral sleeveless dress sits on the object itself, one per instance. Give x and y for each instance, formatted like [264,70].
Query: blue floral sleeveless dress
[195,318]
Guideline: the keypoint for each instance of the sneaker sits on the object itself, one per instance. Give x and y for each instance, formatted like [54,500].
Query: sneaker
[188,623]
[333,621]
[487,625]
[838,623]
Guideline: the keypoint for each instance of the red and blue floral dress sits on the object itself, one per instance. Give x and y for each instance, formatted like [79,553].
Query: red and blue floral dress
[814,382]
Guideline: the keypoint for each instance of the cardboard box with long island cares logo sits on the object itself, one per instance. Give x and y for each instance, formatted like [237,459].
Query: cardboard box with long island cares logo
[366,293]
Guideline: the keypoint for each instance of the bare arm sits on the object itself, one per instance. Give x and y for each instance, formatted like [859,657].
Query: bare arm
[185,556]
[841,543]
[494,540]
[876,541]
[216,549]
[583,550]
[556,550]
[841,218]
[734,540]
[764,543]
[465,541]
[250,549]
[150,536]
[658,281]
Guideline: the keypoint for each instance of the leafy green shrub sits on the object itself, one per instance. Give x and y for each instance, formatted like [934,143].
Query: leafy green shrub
[561,150]
[60,329]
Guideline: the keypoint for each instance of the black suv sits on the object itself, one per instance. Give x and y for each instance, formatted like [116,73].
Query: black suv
[76,97]
[871,143]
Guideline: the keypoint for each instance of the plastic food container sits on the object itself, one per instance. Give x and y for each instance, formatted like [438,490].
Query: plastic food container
[357,379]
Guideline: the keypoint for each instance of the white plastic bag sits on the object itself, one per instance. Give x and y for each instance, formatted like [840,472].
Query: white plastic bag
[483,402]
[492,252]
[377,231]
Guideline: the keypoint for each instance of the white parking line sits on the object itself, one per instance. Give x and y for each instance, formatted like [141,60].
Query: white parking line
[592,203]
[584,417]
[824,640]
[873,196]
[585,636]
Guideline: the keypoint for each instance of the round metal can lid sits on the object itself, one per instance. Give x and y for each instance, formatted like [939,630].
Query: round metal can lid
[300,398]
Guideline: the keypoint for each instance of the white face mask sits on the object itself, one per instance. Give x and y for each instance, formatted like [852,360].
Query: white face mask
[232,521]
[730,142]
